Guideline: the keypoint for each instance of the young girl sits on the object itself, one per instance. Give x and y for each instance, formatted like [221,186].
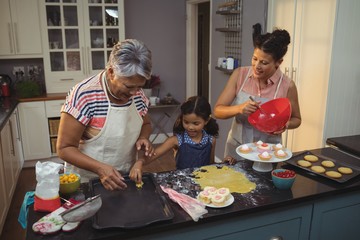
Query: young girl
[194,135]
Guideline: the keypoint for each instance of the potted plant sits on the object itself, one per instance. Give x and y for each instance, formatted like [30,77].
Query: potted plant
[153,82]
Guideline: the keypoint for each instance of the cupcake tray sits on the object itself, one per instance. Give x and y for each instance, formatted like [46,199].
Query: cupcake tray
[337,162]
[131,208]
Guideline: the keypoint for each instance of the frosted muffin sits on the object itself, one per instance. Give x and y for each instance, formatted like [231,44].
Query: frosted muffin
[265,156]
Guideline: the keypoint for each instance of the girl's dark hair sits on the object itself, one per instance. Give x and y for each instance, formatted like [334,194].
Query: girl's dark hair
[275,43]
[200,106]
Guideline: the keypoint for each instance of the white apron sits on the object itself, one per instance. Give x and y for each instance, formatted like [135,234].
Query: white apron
[115,143]
[241,130]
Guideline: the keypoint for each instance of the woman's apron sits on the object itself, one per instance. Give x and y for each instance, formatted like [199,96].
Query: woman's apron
[241,130]
[115,143]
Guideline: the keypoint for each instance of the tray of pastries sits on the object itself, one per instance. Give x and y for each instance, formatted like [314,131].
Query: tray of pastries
[326,167]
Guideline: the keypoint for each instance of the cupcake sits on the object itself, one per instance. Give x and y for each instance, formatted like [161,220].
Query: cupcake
[218,200]
[224,192]
[280,154]
[245,149]
[205,197]
[258,143]
[277,147]
[264,156]
[264,148]
[211,190]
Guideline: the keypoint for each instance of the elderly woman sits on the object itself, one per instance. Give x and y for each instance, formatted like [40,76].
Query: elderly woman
[263,80]
[104,126]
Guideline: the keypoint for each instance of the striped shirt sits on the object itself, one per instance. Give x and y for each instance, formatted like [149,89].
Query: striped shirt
[88,104]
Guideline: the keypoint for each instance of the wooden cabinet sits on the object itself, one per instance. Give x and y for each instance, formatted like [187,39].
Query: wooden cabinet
[10,164]
[20,29]
[77,39]
[53,109]
[39,120]
[337,218]
[311,27]
[3,201]
[34,130]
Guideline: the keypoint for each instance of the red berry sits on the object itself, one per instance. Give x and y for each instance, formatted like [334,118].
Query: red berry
[285,174]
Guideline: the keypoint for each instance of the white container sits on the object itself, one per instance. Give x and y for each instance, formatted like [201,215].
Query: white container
[230,63]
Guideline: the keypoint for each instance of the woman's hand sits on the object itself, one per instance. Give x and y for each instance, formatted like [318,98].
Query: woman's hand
[110,178]
[249,107]
[136,172]
[145,144]
[230,160]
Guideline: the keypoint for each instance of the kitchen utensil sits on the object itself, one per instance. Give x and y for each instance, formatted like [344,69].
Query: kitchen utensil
[271,116]
[6,85]
[83,210]
[339,162]
[258,106]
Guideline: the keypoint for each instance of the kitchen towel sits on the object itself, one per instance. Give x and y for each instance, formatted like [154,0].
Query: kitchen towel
[28,200]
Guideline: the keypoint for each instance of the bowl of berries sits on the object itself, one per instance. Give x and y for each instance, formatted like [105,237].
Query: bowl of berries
[283,178]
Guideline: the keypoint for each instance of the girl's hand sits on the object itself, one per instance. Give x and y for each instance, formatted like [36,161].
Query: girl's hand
[145,144]
[229,160]
[110,178]
[136,172]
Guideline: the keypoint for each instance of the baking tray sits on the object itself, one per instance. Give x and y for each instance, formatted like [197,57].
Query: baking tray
[338,163]
[130,208]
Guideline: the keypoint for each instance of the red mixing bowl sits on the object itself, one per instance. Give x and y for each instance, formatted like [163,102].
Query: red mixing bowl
[272,116]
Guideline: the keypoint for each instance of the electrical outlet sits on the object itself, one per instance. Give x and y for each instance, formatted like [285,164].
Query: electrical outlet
[19,70]
[32,70]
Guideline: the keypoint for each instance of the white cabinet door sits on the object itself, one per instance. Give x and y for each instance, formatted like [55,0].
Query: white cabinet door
[20,27]
[3,202]
[18,158]
[7,155]
[34,130]
[310,24]
[77,39]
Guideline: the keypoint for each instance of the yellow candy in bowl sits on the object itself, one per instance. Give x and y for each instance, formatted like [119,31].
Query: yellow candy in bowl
[69,183]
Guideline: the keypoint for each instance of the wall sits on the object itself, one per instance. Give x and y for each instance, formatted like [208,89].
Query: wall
[342,108]
[253,12]
[160,24]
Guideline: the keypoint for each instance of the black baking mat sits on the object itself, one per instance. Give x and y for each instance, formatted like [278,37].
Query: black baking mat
[338,163]
[130,208]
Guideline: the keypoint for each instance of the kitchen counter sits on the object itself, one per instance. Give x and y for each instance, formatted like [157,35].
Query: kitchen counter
[306,192]
[7,106]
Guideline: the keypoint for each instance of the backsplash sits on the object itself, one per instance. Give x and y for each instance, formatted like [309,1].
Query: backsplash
[24,70]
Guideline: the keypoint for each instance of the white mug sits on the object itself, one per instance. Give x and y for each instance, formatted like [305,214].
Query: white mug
[154,101]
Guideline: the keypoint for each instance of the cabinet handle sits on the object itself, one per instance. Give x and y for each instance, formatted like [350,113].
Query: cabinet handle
[10,41]
[287,71]
[293,75]
[83,59]
[18,125]
[277,238]
[12,140]
[89,62]
[66,79]
[17,47]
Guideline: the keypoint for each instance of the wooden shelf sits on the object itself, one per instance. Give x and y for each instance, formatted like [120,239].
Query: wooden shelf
[227,71]
[227,29]
[229,12]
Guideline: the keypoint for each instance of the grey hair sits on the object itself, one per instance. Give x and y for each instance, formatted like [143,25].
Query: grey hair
[130,57]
